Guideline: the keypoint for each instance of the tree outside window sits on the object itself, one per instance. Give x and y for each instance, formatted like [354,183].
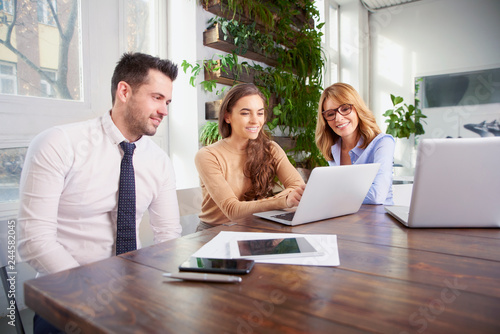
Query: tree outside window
[40,38]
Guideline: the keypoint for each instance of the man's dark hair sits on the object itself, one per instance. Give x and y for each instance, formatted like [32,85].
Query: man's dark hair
[133,68]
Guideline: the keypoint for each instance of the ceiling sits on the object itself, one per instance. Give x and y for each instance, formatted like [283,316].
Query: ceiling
[379,4]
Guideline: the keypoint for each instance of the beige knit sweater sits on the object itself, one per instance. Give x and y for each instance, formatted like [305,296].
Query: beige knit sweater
[223,183]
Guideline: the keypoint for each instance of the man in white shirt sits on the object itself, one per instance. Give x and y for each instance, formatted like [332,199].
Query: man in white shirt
[69,184]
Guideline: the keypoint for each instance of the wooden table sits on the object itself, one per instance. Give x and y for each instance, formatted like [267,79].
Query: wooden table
[391,279]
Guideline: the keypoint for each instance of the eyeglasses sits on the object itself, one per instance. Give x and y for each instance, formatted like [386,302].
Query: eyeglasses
[331,114]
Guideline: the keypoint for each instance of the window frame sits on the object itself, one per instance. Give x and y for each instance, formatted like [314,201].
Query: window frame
[332,52]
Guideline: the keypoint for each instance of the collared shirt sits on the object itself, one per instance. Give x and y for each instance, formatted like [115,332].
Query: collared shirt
[69,194]
[380,150]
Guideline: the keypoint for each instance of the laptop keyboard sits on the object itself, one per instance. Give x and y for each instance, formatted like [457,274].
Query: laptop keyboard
[285,216]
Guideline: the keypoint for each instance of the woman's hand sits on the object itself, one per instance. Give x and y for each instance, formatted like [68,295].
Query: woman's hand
[294,197]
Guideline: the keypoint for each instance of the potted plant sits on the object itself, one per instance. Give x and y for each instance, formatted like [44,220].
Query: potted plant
[404,119]
[210,133]
[404,122]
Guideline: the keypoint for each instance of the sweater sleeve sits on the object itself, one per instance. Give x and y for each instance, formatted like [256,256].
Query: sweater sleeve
[286,172]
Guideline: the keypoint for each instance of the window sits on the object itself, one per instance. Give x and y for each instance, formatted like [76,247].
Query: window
[144,30]
[8,78]
[329,14]
[46,89]
[11,164]
[141,26]
[30,67]
[6,6]
[45,15]
[37,48]
[74,88]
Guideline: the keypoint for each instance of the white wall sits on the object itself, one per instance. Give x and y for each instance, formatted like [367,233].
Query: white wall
[183,35]
[354,46]
[429,37]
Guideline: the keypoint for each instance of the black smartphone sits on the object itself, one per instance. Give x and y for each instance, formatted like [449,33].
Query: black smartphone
[221,266]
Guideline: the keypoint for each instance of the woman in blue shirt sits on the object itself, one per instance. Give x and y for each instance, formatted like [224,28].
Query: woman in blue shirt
[347,133]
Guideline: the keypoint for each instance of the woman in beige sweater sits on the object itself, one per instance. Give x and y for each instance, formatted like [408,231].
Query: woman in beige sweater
[238,173]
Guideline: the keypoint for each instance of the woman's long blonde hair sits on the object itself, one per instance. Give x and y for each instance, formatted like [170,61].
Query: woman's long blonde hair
[259,167]
[344,93]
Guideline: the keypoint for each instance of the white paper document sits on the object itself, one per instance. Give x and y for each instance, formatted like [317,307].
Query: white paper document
[218,247]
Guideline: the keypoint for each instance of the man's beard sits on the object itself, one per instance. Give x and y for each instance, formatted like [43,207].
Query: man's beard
[138,125]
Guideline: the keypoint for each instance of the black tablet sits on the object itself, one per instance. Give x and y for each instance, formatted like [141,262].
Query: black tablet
[272,248]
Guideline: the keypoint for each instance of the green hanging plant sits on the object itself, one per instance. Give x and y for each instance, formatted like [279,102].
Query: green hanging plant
[224,63]
[253,8]
[295,83]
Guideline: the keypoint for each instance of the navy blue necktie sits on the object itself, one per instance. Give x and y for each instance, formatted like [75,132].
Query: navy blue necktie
[125,232]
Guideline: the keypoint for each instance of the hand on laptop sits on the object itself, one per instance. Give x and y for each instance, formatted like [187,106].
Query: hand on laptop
[294,197]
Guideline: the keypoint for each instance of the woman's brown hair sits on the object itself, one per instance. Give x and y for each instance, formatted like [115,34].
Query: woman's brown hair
[259,167]
[344,93]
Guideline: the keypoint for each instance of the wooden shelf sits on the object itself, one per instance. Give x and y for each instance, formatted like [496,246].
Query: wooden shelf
[214,38]
[221,8]
[230,77]
[212,109]
[286,143]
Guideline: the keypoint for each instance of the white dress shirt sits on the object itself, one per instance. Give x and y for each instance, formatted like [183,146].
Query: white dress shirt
[69,194]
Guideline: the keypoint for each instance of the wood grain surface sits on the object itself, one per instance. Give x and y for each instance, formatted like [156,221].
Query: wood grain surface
[391,279]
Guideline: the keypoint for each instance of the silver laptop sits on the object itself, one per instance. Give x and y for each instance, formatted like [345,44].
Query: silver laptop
[330,192]
[456,184]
